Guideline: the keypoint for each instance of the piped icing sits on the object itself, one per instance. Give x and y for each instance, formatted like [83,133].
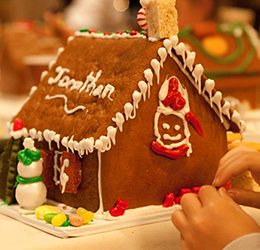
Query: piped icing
[69,112]
[64,178]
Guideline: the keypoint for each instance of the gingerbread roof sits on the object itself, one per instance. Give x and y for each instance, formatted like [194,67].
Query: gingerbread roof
[98,83]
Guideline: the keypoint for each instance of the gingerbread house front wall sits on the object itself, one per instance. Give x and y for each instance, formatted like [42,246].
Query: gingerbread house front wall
[130,170]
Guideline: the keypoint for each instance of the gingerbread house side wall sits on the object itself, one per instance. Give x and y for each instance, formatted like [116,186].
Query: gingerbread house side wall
[131,171]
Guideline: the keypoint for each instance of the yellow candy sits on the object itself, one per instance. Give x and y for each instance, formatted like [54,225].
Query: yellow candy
[41,211]
[85,214]
[87,217]
[81,210]
[58,220]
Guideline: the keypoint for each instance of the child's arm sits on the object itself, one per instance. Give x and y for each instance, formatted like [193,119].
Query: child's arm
[211,220]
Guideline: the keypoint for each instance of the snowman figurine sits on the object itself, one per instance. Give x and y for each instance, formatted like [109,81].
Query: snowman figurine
[30,190]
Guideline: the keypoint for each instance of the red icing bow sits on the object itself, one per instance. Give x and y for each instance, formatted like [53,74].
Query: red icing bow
[177,103]
[174,97]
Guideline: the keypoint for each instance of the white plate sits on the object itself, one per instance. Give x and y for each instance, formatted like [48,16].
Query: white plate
[150,214]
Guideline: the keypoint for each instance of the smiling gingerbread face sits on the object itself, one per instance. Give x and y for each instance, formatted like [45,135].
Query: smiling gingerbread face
[171,121]
[170,130]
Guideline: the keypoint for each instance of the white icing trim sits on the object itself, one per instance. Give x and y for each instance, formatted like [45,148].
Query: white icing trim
[156,67]
[162,52]
[56,167]
[101,206]
[71,38]
[44,73]
[148,74]
[64,178]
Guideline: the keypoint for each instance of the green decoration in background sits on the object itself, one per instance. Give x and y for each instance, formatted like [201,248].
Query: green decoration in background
[8,169]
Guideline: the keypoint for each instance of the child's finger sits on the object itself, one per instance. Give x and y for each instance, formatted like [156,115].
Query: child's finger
[207,194]
[190,204]
[245,197]
[179,220]
[230,169]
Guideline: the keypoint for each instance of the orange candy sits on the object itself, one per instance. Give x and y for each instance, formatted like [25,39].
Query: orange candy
[76,220]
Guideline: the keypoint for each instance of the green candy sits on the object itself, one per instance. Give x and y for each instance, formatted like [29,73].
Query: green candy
[48,217]
[143,32]
[66,223]
[84,30]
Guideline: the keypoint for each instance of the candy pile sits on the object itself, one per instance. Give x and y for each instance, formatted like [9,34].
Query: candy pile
[53,215]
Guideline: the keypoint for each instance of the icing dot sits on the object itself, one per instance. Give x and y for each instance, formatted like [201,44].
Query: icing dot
[177,127]
[166,126]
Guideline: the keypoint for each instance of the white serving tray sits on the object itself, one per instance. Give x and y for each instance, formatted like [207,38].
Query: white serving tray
[96,226]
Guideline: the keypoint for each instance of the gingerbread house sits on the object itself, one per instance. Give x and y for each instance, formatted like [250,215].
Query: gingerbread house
[230,53]
[123,117]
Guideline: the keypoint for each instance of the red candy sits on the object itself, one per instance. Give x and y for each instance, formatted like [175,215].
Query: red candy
[182,192]
[228,185]
[134,33]
[18,124]
[119,209]
[178,200]
[185,191]
[92,31]
[169,200]
[196,190]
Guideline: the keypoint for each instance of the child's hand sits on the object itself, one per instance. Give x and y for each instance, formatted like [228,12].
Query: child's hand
[234,163]
[211,220]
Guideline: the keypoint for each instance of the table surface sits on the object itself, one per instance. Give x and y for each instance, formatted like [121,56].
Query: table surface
[19,236]
[162,235]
